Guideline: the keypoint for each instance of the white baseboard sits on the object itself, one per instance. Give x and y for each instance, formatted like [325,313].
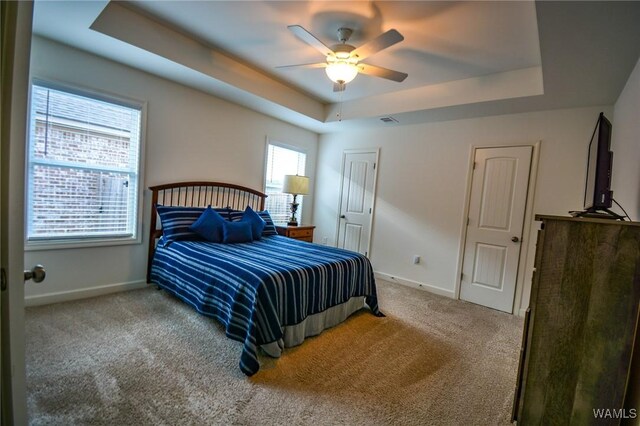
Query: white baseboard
[415,284]
[522,312]
[65,296]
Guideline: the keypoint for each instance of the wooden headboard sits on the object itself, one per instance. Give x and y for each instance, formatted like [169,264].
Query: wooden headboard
[198,194]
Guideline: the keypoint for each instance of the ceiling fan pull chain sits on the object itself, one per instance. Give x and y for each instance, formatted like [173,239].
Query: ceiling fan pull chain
[339,114]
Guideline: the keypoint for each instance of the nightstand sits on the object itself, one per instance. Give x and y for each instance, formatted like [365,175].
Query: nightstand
[301,232]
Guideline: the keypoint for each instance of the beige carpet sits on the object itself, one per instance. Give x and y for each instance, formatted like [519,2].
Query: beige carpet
[142,357]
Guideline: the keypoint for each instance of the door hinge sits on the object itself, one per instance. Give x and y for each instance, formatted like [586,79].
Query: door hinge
[369,210]
[461,276]
[3,280]
[474,165]
[366,253]
[467,221]
[374,166]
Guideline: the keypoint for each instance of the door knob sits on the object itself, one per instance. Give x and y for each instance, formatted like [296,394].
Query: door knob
[342,216]
[515,239]
[37,274]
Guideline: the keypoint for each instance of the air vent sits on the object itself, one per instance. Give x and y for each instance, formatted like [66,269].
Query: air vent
[388,120]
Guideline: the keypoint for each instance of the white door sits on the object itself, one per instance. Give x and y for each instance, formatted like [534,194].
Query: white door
[16,42]
[494,231]
[357,200]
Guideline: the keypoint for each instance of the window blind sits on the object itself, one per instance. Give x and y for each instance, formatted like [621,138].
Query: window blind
[83,165]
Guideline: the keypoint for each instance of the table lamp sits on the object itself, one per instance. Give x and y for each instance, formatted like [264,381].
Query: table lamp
[295,185]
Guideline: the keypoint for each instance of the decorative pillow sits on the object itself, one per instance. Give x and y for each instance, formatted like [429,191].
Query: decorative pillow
[176,221]
[269,228]
[209,225]
[236,232]
[235,215]
[256,222]
[222,211]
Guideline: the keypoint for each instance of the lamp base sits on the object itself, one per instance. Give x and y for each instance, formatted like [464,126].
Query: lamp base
[294,208]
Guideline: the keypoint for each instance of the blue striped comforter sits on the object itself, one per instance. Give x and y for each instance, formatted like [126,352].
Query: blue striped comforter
[256,288]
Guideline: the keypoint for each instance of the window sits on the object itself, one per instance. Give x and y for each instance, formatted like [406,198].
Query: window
[83,166]
[282,161]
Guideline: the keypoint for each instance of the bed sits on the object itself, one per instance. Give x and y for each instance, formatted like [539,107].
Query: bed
[271,293]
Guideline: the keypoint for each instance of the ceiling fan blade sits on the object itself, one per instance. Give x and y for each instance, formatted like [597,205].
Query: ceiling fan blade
[310,39]
[383,41]
[339,87]
[382,72]
[315,65]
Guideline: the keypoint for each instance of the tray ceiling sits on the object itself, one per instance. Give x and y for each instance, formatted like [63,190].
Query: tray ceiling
[463,58]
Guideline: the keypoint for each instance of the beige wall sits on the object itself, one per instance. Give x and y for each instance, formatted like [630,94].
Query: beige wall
[626,146]
[190,135]
[626,189]
[422,185]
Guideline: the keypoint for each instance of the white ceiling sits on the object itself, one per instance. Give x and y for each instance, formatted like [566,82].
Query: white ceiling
[444,41]
[464,59]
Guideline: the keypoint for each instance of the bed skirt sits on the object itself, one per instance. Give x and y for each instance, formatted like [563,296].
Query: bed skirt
[313,325]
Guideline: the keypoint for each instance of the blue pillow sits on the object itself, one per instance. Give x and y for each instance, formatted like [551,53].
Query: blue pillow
[236,232]
[256,222]
[177,220]
[269,228]
[209,225]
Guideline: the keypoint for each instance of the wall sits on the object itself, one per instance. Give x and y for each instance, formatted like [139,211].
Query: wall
[626,188]
[190,135]
[625,145]
[422,185]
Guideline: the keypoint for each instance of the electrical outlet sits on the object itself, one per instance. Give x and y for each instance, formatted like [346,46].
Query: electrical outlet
[416,259]
[325,240]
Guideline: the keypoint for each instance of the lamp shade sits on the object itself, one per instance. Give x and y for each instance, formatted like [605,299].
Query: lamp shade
[294,184]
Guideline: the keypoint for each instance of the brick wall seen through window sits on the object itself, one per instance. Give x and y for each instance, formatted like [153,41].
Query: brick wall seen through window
[83,166]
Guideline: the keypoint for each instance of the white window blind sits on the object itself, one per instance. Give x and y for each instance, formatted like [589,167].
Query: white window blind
[282,161]
[83,165]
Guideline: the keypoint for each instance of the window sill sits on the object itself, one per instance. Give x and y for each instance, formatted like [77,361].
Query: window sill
[79,243]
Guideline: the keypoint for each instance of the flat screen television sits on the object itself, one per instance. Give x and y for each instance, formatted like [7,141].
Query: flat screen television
[598,196]
[597,190]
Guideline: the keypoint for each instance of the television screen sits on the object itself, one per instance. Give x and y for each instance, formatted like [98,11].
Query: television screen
[597,191]
[591,168]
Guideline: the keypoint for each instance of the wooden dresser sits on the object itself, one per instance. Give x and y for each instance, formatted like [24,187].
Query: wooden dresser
[301,232]
[581,324]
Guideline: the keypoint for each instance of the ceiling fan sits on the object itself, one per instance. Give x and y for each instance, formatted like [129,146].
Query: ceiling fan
[343,60]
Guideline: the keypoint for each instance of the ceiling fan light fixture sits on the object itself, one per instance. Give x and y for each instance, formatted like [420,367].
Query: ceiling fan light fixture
[342,64]
[341,72]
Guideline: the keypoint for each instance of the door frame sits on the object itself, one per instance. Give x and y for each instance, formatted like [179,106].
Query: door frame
[14,407]
[527,220]
[375,151]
